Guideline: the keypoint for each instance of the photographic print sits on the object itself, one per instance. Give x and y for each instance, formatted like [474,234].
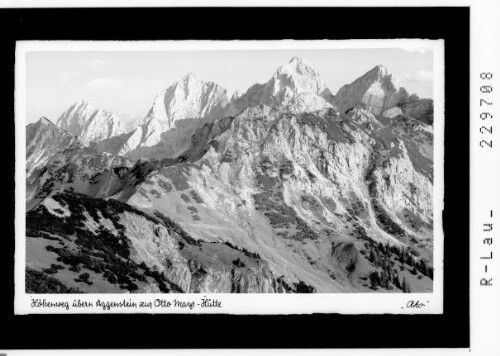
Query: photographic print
[218,168]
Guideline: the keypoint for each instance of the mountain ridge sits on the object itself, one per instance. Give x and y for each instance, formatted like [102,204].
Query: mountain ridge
[289,192]
[90,124]
[180,109]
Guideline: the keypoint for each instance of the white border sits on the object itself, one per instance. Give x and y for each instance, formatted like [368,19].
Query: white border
[352,303]
[485,179]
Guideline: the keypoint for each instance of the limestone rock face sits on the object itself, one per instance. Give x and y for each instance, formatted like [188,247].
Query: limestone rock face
[141,253]
[422,109]
[392,112]
[188,104]
[285,185]
[176,113]
[380,93]
[189,98]
[44,140]
[57,160]
[376,91]
[89,124]
[274,190]
[295,83]
[363,116]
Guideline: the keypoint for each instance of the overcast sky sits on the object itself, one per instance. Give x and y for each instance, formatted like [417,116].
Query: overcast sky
[126,82]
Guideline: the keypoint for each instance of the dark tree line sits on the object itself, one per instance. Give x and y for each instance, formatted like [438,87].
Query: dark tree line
[385,256]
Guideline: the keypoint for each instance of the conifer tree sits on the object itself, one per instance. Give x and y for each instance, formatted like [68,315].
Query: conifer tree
[425,268]
[395,281]
[375,279]
[405,287]
[372,256]
[414,270]
[402,258]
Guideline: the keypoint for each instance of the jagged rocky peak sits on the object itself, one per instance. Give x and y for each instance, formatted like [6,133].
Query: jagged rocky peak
[43,125]
[43,140]
[90,124]
[176,113]
[295,85]
[381,74]
[191,76]
[297,65]
[380,92]
[189,103]
[303,77]
[378,73]
[287,192]
[192,79]
[40,130]
[43,121]
[379,70]
[73,118]
[188,98]
[236,94]
[377,90]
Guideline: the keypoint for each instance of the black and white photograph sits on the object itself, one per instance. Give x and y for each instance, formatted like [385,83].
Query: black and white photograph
[280,177]
[289,168]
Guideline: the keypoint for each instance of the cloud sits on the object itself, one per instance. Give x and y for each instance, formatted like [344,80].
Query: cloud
[67,78]
[96,63]
[417,49]
[424,76]
[102,83]
[420,76]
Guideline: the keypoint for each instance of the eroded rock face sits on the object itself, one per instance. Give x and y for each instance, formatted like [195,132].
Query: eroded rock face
[295,85]
[185,106]
[89,124]
[123,249]
[392,112]
[380,93]
[284,185]
[275,190]
[43,141]
[176,113]
[56,160]
[421,109]
[278,184]
[364,117]
[375,91]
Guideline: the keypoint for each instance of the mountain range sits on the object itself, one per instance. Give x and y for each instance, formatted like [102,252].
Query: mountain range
[283,188]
